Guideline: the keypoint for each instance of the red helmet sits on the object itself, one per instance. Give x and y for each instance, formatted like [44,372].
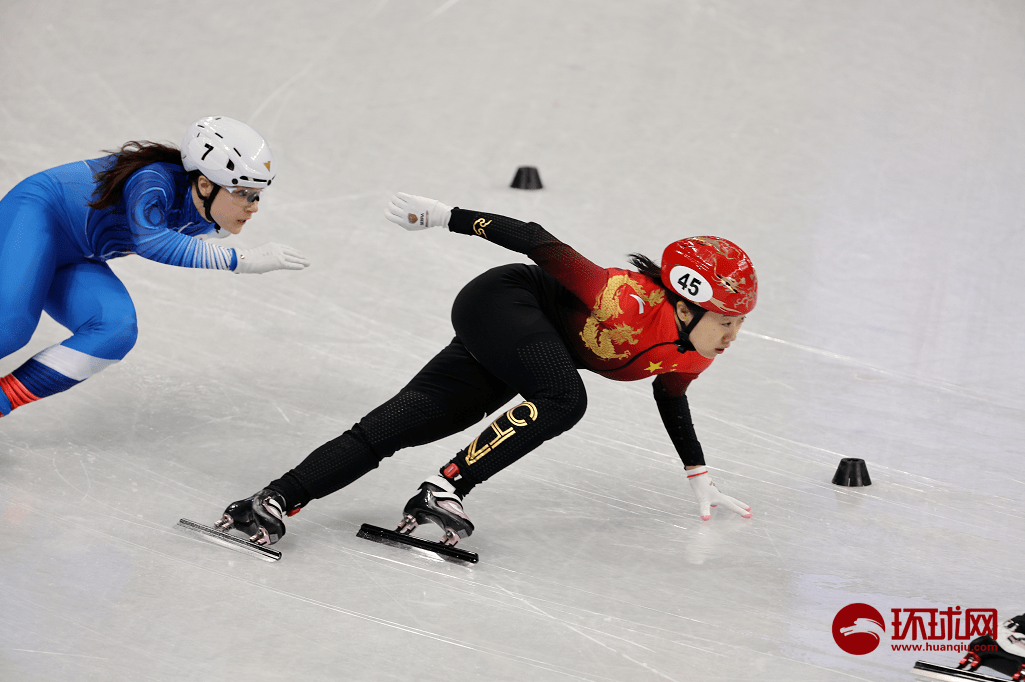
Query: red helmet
[713,272]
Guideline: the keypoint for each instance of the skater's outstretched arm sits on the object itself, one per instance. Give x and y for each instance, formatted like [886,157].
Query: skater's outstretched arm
[149,198]
[575,272]
[674,408]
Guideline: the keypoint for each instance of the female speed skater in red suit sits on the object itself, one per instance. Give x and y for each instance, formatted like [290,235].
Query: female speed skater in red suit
[527,330]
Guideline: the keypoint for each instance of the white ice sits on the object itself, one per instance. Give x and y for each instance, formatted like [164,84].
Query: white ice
[869,155]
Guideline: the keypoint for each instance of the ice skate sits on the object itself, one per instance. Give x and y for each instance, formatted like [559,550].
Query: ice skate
[437,502]
[1005,654]
[233,542]
[259,516]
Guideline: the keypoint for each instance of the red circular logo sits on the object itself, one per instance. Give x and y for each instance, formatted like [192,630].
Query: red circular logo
[857,629]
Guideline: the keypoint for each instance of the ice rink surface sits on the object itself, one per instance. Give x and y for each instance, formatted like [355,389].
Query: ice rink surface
[869,156]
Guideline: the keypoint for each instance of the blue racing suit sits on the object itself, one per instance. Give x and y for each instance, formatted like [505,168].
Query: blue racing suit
[53,253]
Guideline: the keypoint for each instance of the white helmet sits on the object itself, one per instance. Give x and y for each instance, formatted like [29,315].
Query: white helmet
[228,152]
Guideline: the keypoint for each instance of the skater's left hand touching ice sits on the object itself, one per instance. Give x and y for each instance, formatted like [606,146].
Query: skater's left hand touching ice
[417,213]
[709,496]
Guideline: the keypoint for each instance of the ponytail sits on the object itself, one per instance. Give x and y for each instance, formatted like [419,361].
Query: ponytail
[130,158]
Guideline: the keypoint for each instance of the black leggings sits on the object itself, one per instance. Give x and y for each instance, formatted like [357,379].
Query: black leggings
[505,345]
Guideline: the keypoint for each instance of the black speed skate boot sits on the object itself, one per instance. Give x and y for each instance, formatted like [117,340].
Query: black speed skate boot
[258,516]
[1005,654]
[437,502]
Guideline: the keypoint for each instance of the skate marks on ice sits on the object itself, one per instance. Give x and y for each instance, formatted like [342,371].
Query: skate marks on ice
[225,539]
[933,382]
[397,539]
[930,671]
[791,465]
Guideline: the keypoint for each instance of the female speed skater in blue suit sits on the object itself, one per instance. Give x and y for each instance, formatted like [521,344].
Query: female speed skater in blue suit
[59,227]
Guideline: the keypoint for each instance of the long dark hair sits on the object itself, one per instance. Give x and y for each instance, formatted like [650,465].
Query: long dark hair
[653,271]
[131,157]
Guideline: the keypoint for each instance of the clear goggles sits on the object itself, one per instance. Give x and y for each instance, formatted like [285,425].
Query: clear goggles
[247,194]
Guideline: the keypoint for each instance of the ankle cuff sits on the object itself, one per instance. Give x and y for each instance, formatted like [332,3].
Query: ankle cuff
[289,487]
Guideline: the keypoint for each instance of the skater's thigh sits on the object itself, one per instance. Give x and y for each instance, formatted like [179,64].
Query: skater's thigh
[90,300]
[460,386]
[500,320]
[28,256]
[451,393]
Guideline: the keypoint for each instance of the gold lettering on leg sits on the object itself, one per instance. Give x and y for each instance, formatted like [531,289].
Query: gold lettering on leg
[473,454]
[522,422]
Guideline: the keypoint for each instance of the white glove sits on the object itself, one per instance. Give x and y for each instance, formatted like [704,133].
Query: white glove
[267,257]
[709,496]
[417,213]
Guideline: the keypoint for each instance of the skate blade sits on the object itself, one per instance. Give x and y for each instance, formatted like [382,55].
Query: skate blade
[394,538]
[233,542]
[931,671]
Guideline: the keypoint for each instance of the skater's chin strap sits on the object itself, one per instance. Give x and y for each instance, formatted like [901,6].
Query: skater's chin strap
[208,200]
[684,344]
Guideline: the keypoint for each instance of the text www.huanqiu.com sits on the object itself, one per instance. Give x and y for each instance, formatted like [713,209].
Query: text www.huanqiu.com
[941,647]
